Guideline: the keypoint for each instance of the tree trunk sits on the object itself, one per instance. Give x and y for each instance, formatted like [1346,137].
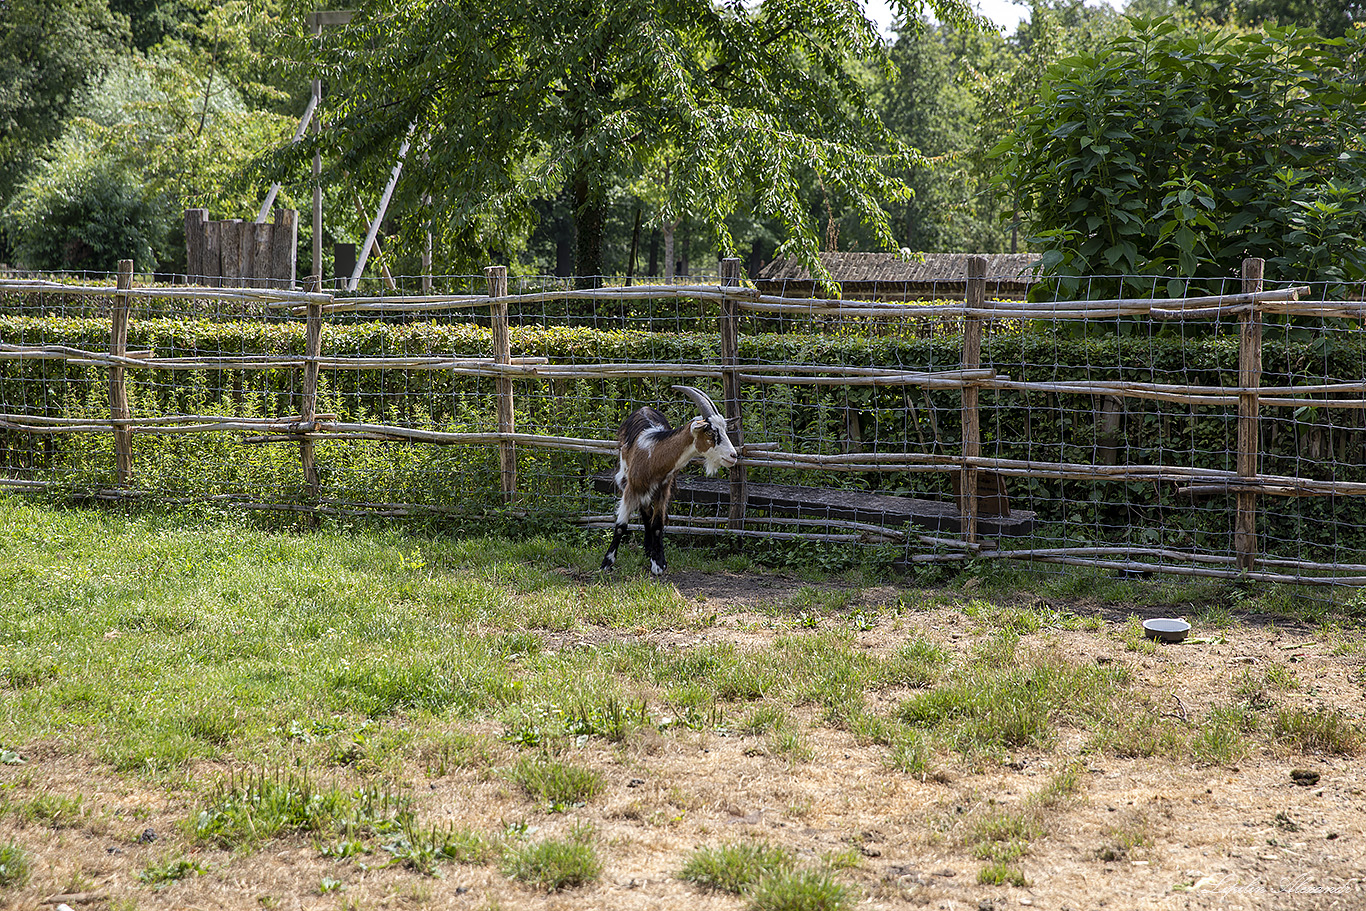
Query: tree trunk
[669,228]
[564,241]
[590,210]
[654,262]
[635,247]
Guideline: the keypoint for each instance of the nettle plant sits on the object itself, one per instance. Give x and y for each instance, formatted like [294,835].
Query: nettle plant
[1173,151]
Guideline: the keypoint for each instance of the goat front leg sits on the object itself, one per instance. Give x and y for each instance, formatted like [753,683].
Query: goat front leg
[619,531]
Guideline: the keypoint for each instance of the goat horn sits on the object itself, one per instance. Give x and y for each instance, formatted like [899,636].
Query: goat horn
[698,396]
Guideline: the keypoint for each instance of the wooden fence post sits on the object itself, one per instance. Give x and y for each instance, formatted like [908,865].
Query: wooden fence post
[972,359]
[119,409]
[1249,434]
[308,415]
[730,385]
[502,354]
[195,219]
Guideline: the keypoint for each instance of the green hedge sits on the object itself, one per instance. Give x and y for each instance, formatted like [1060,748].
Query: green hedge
[1044,427]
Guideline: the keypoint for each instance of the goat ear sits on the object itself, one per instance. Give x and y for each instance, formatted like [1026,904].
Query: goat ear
[698,424]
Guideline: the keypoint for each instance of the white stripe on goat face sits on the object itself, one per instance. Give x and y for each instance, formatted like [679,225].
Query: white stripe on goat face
[714,443]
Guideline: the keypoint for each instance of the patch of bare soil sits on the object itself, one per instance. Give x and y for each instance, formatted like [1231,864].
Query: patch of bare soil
[1139,833]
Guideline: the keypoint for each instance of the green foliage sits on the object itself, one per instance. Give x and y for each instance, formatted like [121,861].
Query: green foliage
[994,706]
[160,132]
[162,873]
[50,50]
[714,104]
[808,419]
[1331,18]
[422,848]
[1170,153]
[83,210]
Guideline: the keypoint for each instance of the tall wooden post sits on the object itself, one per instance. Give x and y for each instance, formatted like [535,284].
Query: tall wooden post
[730,385]
[317,174]
[972,359]
[119,409]
[502,354]
[308,415]
[1249,435]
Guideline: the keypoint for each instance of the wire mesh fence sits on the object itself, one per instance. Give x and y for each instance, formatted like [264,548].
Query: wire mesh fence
[1109,423]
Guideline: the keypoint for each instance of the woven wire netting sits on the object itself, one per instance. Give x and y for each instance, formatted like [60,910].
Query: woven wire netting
[851,435]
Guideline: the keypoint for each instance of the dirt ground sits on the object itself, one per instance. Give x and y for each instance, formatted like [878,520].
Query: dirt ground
[1138,834]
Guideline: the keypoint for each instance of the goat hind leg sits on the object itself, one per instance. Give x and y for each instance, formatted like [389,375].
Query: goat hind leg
[652,517]
[619,532]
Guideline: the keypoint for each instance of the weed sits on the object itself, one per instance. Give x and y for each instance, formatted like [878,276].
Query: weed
[1139,731]
[56,811]
[791,744]
[1001,873]
[558,785]
[15,865]
[161,874]
[1004,835]
[910,754]
[995,707]
[735,867]
[421,849]
[801,890]
[1135,638]
[555,864]
[1318,730]
[1219,740]
[917,663]
[246,810]
[1063,785]
[763,719]
[611,719]
[1280,677]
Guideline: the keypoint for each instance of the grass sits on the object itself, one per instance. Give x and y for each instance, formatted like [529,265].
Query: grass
[162,873]
[247,810]
[735,867]
[556,784]
[422,848]
[331,666]
[995,704]
[801,890]
[1319,730]
[555,864]
[15,865]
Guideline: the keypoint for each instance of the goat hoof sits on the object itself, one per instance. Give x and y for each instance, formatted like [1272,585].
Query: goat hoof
[657,569]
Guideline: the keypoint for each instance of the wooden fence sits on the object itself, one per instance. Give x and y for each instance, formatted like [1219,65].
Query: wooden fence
[237,252]
[1246,483]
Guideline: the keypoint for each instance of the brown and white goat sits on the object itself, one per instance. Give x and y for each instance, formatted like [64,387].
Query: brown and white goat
[652,454]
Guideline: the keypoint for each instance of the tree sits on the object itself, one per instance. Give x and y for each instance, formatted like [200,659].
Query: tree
[932,107]
[50,51]
[160,132]
[1331,18]
[512,102]
[1171,153]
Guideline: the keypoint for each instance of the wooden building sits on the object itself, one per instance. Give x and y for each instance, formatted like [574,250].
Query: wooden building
[890,276]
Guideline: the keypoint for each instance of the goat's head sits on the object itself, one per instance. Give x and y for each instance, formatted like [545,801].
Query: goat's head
[709,433]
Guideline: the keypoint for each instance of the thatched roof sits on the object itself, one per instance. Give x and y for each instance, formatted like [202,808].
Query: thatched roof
[888,276]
